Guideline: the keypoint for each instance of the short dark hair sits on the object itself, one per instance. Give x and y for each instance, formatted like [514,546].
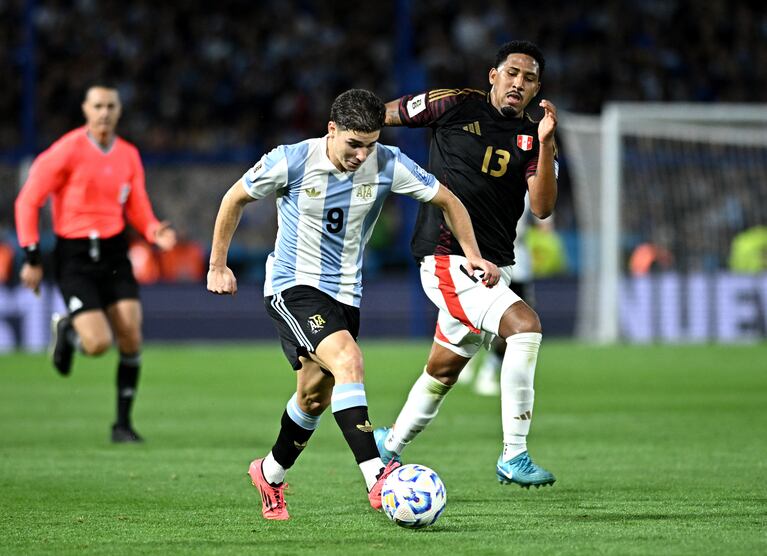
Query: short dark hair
[521,47]
[100,84]
[358,110]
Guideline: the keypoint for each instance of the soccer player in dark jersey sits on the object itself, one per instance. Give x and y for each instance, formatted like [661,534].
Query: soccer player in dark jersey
[96,181]
[489,152]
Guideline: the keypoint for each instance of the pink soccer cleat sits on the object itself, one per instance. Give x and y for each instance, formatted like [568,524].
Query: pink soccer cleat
[272,497]
[375,493]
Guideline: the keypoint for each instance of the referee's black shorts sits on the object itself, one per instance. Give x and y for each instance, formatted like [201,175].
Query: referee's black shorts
[304,316]
[94,274]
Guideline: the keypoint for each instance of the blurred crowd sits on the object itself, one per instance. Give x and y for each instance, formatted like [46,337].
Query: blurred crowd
[199,76]
[224,81]
[209,77]
[690,205]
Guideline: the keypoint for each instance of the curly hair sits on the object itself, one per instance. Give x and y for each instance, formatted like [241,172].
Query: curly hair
[521,47]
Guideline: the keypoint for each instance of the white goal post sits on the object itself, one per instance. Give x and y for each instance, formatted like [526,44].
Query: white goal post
[687,177]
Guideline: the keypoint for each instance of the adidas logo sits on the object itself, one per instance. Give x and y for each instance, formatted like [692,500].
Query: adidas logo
[526,416]
[367,427]
[473,128]
[312,192]
[299,445]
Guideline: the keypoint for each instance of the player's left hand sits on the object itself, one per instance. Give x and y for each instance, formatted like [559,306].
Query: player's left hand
[548,123]
[490,273]
[165,236]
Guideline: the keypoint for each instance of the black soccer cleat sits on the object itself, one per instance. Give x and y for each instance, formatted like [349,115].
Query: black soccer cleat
[62,350]
[122,434]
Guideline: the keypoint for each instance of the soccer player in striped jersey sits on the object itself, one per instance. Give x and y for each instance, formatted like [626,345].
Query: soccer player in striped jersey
[329,191]
[490,153]
[96,181]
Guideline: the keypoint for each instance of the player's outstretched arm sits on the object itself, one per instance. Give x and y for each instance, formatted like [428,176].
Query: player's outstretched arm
[221,279]
[459,222]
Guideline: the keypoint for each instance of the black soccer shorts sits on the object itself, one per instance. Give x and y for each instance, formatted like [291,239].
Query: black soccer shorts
[304,316]
[94,274]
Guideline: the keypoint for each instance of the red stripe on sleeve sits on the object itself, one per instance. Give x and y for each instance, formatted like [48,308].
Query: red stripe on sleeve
[532,168]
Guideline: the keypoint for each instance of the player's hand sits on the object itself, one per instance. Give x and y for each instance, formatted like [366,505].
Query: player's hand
[31,276]
[490,273]
[165,236]
[221,281]
[548,124]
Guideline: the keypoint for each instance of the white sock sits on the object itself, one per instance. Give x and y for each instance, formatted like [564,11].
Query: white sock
[517,393]
[370,470]
[273,471]
[421,407]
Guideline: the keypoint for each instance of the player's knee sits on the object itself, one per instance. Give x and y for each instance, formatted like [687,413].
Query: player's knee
[129,342]
[446,372]
[96,344]
[519,319]
[348,362]
[531,323]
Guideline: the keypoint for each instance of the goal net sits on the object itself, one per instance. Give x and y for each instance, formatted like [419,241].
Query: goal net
[663,193]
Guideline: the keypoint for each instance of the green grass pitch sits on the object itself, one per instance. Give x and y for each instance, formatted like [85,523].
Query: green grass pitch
[657,450]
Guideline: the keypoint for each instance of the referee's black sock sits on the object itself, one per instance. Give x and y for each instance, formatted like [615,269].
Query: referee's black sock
[127,382]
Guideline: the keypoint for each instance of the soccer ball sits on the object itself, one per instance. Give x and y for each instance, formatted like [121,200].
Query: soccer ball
[413,496]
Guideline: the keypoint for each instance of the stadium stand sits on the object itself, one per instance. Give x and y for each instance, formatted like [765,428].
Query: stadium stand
[222,84]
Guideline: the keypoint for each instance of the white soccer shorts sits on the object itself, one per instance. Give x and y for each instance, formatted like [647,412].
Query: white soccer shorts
[469,312]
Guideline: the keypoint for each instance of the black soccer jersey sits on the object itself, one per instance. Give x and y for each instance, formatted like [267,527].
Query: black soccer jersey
[484,158]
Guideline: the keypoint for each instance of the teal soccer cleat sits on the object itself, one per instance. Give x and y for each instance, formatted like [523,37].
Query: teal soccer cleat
[522,471]
[386,455]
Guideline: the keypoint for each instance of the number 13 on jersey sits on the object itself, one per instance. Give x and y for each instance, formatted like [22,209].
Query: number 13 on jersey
[495,157]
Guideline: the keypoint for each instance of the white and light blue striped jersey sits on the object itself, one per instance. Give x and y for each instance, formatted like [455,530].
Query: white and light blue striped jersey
[325,216]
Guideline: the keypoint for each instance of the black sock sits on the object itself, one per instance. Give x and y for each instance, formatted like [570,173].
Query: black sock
[291,441]
[358,432]
[127,381]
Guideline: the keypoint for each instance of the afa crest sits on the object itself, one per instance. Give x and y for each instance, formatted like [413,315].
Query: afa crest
[364,191]
[316,323]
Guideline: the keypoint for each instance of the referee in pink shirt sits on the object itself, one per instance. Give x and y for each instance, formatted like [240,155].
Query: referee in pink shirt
[96,181]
